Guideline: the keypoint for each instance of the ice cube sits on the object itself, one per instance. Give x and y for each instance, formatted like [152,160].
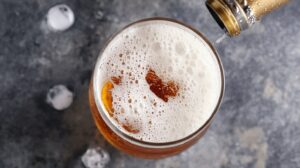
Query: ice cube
[60,17]
[59,97]
[95,158]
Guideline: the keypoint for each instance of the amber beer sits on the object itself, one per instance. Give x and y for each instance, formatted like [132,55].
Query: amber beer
[155,88]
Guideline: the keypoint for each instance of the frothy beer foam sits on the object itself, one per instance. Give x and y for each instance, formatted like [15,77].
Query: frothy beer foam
[158,81]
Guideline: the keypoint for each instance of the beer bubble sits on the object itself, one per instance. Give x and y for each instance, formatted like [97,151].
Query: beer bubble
[194,55]
[193,63]
[189,70]
[157,47]
[180,48]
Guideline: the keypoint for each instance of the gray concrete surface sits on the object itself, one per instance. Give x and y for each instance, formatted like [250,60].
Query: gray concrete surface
[257,125]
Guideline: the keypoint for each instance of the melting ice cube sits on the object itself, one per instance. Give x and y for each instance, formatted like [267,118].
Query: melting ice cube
[60,17]
[59,97]
[95,158]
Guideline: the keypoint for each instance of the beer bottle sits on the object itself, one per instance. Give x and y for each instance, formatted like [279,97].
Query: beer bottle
[234,16]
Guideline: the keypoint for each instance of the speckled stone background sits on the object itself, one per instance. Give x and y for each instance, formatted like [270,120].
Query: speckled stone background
[257,126]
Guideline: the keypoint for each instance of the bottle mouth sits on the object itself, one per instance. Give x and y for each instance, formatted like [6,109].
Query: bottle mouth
[224,16]
[216,17]
[231,15]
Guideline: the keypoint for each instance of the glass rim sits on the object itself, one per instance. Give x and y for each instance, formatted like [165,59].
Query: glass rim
[138,142]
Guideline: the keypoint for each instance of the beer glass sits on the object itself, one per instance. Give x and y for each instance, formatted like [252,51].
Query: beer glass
[127,138]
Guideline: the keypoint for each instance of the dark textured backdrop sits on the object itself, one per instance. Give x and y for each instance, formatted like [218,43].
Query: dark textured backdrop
[257,125]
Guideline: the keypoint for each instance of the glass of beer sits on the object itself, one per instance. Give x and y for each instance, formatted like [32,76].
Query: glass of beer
[156,86]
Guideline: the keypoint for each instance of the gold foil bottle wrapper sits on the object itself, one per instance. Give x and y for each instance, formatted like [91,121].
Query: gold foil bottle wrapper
[235,16]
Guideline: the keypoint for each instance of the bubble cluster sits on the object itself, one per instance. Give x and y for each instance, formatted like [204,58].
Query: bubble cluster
[181,59]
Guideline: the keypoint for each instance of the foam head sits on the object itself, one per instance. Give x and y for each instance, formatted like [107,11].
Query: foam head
[159,80]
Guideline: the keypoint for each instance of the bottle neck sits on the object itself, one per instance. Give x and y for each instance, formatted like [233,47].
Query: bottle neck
[263,7]
[235,16]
